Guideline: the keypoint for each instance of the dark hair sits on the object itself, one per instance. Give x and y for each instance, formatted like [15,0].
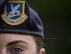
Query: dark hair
[39,42]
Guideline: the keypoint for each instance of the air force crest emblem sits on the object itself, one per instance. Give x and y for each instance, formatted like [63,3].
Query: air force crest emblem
[14,13]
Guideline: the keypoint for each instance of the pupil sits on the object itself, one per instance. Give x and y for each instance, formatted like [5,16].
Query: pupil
[17,49]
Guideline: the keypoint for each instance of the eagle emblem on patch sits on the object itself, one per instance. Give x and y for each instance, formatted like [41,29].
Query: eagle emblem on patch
[14,13]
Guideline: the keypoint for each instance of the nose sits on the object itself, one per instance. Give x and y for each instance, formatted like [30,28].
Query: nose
[3,51]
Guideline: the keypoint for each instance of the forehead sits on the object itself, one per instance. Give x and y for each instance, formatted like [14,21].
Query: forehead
[4,35]
[6,38]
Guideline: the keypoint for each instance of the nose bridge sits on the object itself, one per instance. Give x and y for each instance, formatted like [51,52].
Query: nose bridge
[3,51]
[2,45]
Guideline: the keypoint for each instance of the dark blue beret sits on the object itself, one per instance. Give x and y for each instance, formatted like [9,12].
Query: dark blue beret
[18,17]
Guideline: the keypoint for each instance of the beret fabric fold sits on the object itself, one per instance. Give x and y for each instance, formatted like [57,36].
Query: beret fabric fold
[32,25]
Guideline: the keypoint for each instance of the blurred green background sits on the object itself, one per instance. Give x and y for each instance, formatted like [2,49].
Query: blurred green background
[56,17]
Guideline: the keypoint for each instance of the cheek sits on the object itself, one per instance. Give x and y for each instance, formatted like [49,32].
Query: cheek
[31,50]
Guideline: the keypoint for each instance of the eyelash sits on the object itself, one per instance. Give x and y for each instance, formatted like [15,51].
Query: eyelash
[16,50]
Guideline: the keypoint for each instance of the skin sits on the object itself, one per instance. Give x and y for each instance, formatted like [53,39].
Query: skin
[18,44]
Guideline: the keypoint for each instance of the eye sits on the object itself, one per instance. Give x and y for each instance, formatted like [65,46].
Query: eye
[17,50]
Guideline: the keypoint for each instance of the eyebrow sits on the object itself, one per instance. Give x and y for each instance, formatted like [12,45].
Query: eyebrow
[16,42]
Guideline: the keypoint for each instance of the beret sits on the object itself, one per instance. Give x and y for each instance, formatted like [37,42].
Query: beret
[18,17]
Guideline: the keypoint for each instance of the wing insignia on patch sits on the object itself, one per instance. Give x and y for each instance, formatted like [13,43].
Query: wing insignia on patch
[14,13]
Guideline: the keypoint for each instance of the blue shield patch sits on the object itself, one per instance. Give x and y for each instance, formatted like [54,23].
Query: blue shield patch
[14,13]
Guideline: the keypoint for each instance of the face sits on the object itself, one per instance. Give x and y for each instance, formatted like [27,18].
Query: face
[18,44]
